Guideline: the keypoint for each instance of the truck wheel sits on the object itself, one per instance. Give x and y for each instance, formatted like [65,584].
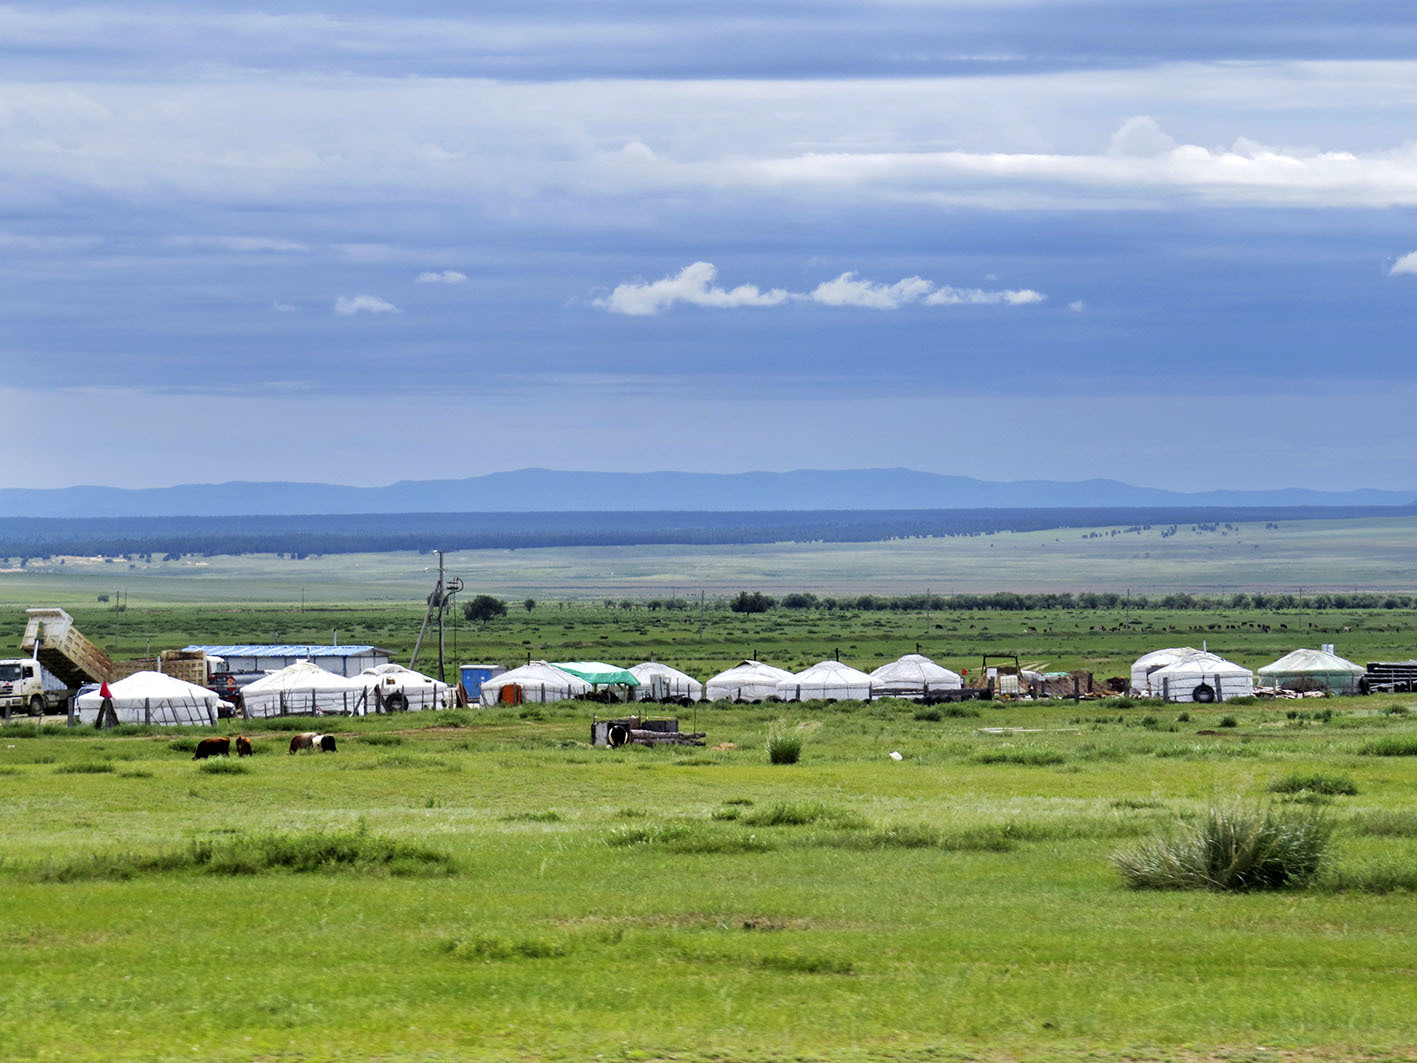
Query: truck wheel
[396,702]
[36,706]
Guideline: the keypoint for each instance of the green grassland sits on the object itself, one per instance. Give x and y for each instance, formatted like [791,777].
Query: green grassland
[482,885]
[1371,554]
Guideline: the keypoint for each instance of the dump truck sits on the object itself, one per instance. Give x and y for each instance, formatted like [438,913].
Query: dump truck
[60,661]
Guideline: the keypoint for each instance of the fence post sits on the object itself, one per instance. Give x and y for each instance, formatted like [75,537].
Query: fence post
[147,710]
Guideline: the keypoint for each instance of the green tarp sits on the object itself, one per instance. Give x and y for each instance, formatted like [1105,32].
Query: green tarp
[598,674]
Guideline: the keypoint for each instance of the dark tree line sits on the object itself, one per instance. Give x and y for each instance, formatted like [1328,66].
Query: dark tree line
[303,536]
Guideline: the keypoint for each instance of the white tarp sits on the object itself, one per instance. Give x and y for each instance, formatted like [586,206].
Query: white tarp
[418,691]
[913,676]
[828,680]
[746,681]
[306,689]
[1147,663]
[538,681]
[1202,677]
[660,681]
[151,697]
[1313,670]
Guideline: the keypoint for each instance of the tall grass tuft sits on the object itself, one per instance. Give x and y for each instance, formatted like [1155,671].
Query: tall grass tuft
[86,767]
[784,746]
[1390,746]
[221,766]
[1232,848]
[1314,783]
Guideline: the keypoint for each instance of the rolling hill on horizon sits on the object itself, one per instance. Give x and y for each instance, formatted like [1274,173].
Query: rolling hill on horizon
[548,490]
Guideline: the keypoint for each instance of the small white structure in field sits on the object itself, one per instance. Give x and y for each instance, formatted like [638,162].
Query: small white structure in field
[151,697]
[1202,677]
[402,689]
[659,682]
[306,689]
[1305,670]
[826,680]
[913,676]
[746,681]
[534,681]
[1148,663]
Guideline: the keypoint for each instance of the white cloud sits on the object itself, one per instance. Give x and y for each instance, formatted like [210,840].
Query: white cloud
[364,304]
[283,308]
[1140,135]
[846,290]
[693,285]
[1077,306]
[243,244]
[1406,264]
[447,276]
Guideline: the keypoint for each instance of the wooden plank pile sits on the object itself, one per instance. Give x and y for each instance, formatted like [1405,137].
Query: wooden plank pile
[634,730]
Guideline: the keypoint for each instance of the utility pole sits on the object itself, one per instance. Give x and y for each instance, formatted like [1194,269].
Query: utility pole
[438,603]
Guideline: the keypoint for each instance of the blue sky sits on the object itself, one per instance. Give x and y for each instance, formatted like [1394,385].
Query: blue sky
[1160,242]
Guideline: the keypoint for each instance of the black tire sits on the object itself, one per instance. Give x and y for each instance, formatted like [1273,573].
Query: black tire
[1204,693]
[36,706]
[396,702]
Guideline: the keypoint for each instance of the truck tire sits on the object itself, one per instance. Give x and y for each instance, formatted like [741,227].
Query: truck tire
[36,706]
[396,702]
[1204,693]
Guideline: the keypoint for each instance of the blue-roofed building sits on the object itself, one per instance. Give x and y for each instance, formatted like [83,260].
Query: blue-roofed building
[341,660]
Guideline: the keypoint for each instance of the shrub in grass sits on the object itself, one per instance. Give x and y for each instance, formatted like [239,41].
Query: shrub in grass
[222,767]
[549,815]
[1388,824]
[489,949]
[802,814]
[377,739]
[784,746]
[1228,721]
[1388,876]
[1395,710]
[1232,848]
[931,714]
[312,852]
[1315,783]
[86,767]
[1390,746]
[686,838]
[1028,757]
[1183,717]
[798,964]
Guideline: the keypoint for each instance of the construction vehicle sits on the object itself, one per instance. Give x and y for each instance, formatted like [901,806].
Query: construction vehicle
[60,661]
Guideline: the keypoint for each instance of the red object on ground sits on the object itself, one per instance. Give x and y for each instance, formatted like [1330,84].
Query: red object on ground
[103,691]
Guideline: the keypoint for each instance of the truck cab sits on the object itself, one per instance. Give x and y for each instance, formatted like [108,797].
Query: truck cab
[23,687]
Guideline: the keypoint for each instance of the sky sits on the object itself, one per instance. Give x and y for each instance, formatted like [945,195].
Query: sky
[1166,243]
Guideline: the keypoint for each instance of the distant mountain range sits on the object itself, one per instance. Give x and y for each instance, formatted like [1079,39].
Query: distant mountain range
[546,490]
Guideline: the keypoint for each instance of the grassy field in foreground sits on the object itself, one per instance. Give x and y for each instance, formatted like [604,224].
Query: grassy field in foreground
[485,886]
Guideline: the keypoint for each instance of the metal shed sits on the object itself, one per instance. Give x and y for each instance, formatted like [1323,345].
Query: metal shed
[341,660]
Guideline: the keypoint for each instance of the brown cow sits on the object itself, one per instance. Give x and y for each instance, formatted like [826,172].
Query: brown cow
[243,746]
[212,747]
[306,740]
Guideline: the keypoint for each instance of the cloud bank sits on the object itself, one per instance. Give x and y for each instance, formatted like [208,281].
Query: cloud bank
[348,306]
[694,285]
[447,276]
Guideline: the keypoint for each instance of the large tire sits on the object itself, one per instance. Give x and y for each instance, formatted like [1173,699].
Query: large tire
[1204,693]
[36,706]
[396,702]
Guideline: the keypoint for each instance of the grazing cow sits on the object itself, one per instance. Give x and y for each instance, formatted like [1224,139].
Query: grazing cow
[212,747]
[305,740]
[243,746]
[327,744]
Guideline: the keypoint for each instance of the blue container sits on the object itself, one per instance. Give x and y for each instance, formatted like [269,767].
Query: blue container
[473,676]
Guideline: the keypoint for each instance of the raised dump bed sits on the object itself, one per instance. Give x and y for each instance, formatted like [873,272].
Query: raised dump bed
[50,637]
